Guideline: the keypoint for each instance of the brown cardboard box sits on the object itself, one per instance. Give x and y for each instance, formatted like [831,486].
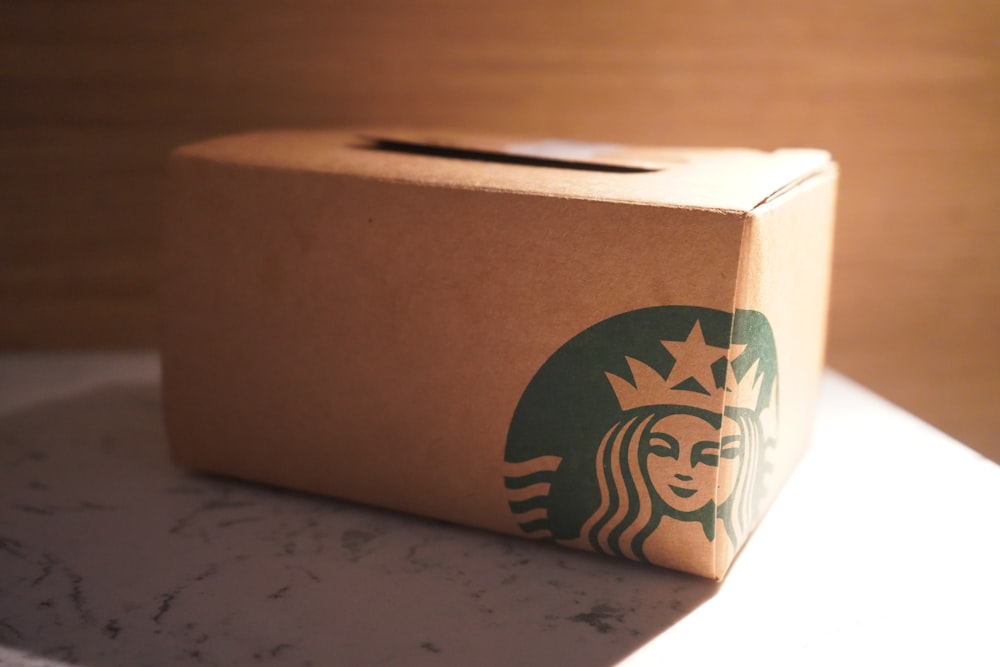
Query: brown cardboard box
[612,348]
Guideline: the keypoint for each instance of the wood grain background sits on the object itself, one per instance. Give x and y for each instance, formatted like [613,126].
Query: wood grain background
[906,94]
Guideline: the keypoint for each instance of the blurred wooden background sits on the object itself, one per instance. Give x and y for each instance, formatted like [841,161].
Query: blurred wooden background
[906,94]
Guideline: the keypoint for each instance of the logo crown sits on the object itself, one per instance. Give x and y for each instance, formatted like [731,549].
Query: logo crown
[691,381]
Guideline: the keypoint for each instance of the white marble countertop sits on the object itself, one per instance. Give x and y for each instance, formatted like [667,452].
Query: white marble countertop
[883,549]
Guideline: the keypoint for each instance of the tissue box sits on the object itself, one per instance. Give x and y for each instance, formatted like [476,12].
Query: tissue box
[609,347]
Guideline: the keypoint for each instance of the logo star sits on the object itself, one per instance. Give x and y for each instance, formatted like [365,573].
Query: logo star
[693,358]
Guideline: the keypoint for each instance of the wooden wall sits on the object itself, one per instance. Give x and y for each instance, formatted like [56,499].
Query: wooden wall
[906,94]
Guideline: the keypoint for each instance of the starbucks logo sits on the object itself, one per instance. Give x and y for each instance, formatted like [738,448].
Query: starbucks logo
[643,426]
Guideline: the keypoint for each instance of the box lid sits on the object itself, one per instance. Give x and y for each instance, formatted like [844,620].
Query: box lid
[736,180]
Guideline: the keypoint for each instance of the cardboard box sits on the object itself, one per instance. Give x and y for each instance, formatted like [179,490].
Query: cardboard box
[612,348]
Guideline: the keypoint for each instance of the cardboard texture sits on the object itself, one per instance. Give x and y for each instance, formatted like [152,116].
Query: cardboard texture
[610,347]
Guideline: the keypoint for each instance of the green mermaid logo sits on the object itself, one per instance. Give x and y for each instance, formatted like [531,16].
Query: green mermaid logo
[647,435]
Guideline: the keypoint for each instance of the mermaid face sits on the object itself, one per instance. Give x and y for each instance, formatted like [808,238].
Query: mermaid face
[687,457]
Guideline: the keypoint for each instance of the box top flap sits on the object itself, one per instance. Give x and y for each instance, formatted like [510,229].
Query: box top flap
[701,178]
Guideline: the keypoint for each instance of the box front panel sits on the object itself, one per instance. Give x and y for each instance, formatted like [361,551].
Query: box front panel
[430,349]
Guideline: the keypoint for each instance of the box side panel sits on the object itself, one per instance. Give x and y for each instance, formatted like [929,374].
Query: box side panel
[781,319]
[373,341]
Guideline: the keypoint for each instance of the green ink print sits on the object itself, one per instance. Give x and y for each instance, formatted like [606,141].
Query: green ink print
[643,423]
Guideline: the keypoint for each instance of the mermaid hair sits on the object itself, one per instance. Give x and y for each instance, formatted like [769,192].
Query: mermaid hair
[630,510]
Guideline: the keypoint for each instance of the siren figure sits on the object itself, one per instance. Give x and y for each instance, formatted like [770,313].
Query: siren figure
[685,454]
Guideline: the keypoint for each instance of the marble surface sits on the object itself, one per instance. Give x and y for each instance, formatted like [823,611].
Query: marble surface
[883,548]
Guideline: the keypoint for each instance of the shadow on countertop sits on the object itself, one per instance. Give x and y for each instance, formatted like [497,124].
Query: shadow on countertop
[110,555]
